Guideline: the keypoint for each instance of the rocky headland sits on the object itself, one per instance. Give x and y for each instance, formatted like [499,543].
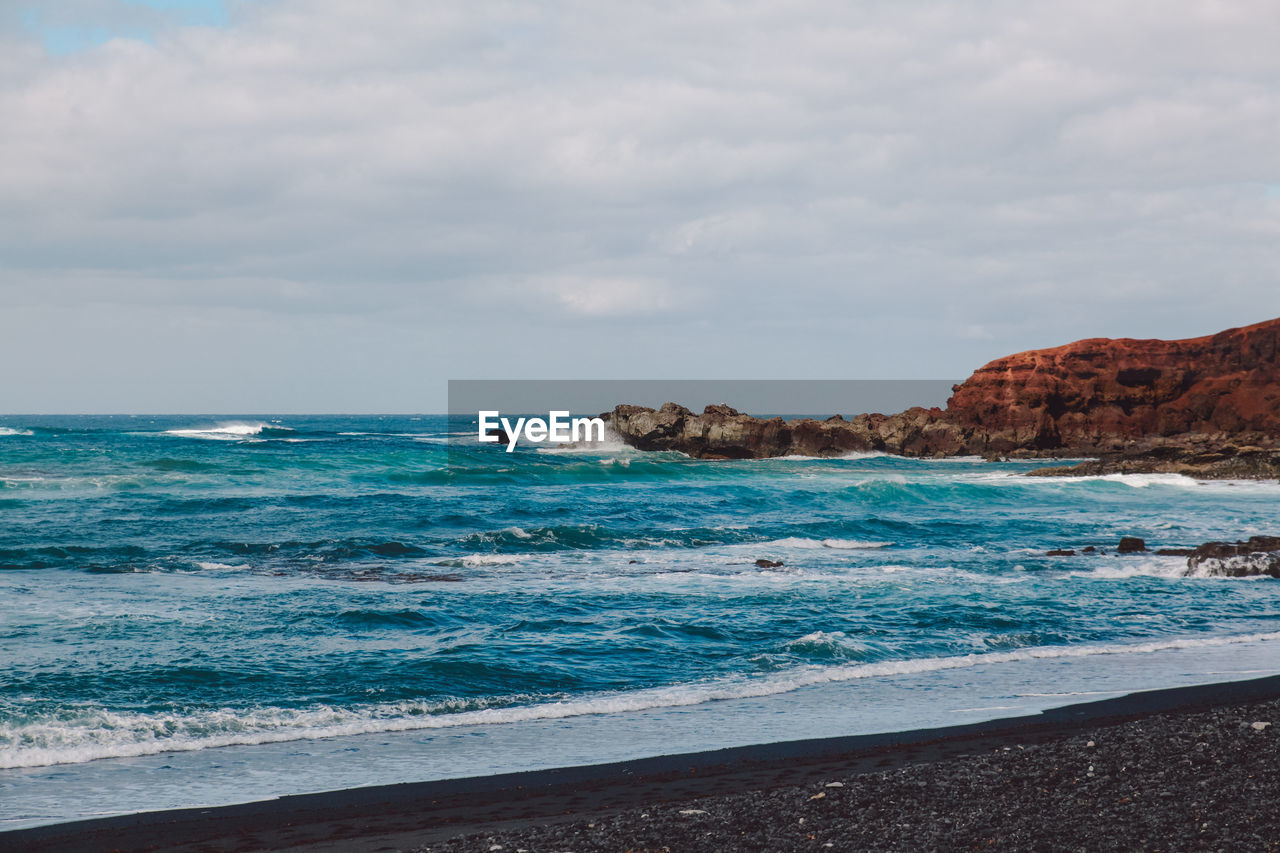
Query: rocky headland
[1206,407]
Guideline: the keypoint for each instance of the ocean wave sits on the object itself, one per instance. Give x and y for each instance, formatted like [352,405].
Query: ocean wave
[835,544]
[122,482]
[612,444]
[829,644]
[472,561]
[20,482]
[6,431]
[88,733]
[1142,481]
[1137,481]
[1133,566]
[232,431]
[349,434]
[851,455]
[1154,566]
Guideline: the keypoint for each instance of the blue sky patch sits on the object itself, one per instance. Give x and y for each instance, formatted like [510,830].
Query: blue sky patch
[66,31]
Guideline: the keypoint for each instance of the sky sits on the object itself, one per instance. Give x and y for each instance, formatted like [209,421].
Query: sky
[272,206]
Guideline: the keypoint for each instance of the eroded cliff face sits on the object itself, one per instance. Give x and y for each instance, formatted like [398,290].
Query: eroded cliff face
[1180,403]
[722,432]
[1103,395]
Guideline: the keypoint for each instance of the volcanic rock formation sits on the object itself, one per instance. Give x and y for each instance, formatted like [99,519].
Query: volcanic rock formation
[1205,406]
[1259,555]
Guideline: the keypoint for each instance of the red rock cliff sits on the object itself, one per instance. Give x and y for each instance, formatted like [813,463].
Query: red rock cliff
[1205,406]
[1104,394]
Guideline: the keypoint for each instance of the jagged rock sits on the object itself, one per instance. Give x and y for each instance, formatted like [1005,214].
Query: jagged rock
[1131,545]
[1203,407]
[1222,462]
[1060,552]
[1259,555]
[769,564]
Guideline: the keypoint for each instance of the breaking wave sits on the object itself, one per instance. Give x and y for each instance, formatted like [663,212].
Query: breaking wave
[88,733]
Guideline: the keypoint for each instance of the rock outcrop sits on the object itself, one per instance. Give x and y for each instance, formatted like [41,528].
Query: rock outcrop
[1202,457]
[722,432]
[1259,555]
[1103,395]
[1205,406]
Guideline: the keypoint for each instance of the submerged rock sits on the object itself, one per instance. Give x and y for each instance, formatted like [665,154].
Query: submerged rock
[1257,556]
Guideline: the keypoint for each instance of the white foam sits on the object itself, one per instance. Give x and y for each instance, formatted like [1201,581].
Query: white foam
[985,708]
[1158,567]
[837,544]
[1137,481]
[612,443]
[833,640]
[853,544]
[1142,481]
[14,431]
[93,733]
[226,431]
[1131,566]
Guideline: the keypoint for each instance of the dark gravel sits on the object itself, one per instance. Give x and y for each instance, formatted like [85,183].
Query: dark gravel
[1208,780]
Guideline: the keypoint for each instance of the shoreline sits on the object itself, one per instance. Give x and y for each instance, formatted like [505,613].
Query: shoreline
[721,432]
[410,815]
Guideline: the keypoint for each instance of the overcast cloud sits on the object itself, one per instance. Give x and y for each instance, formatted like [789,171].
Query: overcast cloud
[313,205]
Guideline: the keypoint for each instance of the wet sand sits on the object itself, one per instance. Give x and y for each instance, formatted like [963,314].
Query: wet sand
[1178,769]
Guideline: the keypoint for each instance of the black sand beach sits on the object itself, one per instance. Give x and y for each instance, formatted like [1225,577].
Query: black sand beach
[1194,768]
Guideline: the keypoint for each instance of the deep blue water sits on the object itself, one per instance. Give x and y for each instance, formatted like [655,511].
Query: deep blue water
[177,583]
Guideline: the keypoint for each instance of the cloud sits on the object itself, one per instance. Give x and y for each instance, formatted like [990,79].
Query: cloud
[612,297]
[940,184]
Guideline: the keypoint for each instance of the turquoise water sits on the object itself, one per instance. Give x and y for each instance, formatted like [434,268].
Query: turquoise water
[169,585]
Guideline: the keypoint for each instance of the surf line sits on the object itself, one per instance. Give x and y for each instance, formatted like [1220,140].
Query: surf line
[558,428]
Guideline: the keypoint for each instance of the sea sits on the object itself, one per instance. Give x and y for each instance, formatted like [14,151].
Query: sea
[202,610]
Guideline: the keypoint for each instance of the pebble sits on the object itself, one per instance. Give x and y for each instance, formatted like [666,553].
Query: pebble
[1157,785]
